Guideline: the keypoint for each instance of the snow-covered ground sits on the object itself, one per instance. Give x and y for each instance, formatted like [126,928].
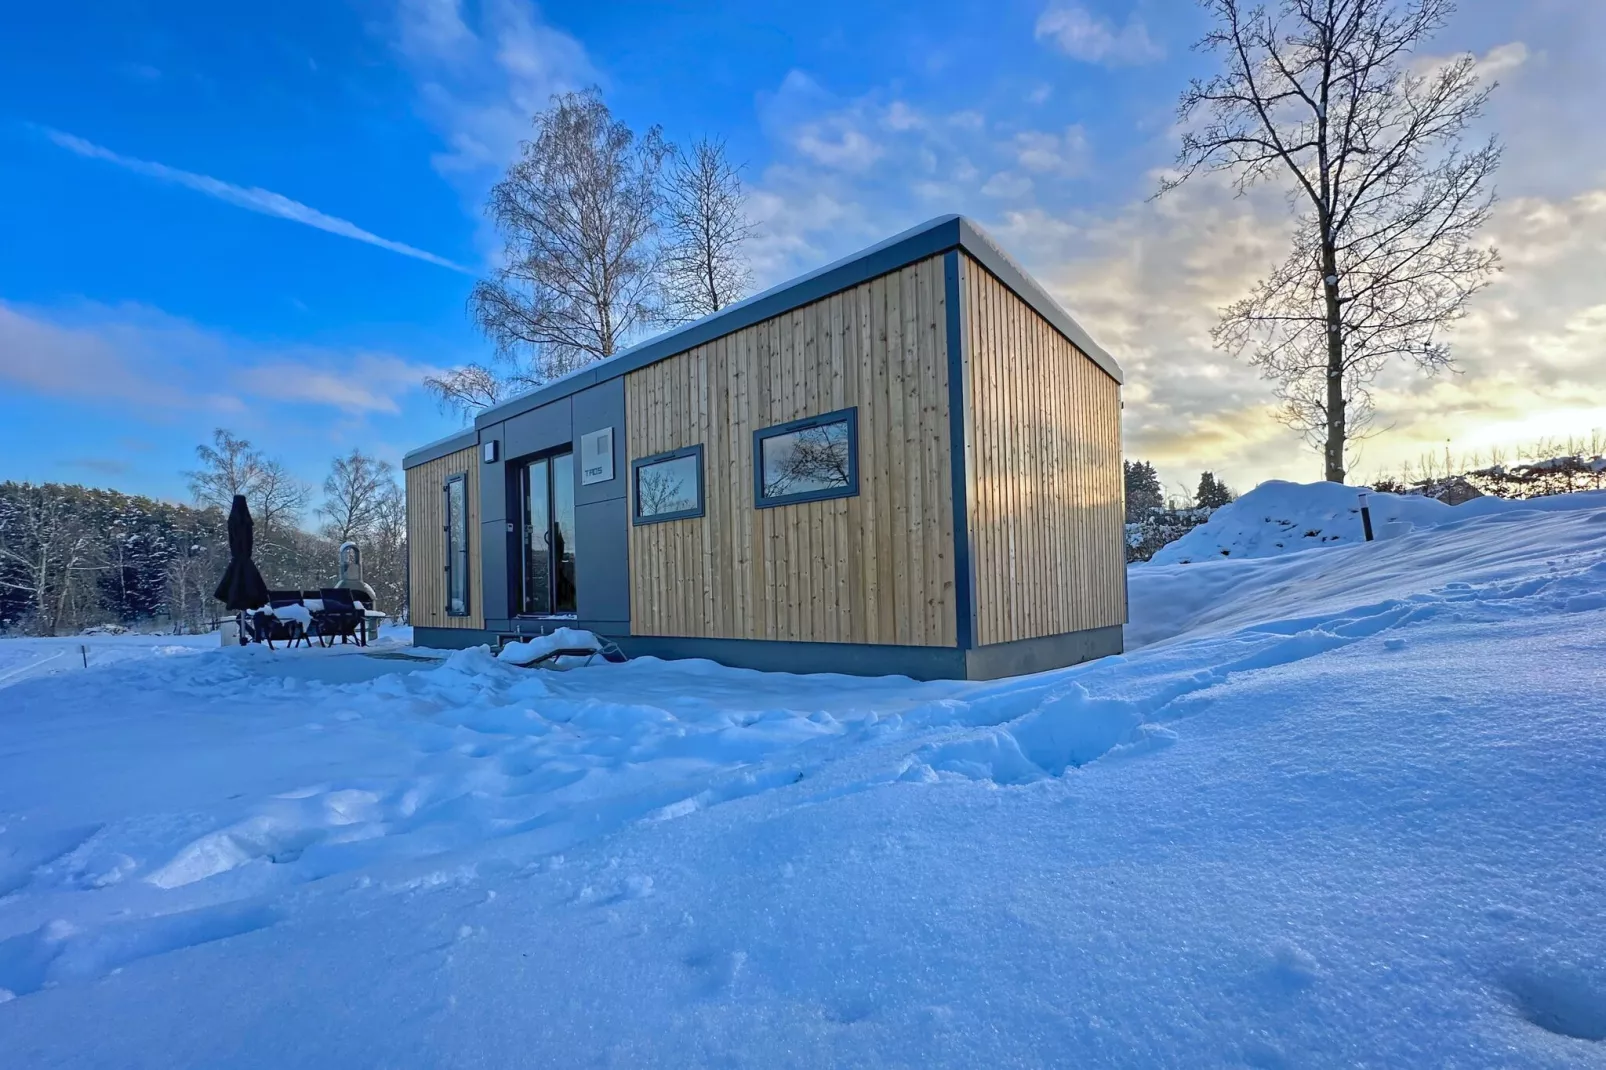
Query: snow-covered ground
[33,658]
[1340,807]
[28,659]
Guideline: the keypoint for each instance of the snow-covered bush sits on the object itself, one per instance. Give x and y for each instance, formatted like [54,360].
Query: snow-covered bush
[1158,527]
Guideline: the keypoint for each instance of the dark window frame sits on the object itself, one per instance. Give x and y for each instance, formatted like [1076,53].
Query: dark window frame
[452,550]
[701,509]
[849,416]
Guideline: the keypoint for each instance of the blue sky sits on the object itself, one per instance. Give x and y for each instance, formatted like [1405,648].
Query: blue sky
[269,219]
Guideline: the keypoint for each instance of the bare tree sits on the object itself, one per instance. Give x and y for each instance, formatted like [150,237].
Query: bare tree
[46,543]
[705,225]
[577,213]
[1321,95]
[353,492]
[385,562]
[231,466]
[228,467]
[472,387]
[280,500]
[192,572]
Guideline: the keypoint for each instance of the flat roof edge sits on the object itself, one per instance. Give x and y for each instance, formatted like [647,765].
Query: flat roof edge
[434,451]
[932,238]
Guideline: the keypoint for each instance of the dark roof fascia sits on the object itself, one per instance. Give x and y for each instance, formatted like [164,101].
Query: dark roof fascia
[458,440]
[929,239]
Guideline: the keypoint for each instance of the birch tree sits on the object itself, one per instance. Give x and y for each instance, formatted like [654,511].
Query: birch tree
[385,563]
[578,215]
[354,492]
[230,466]
[1327,99]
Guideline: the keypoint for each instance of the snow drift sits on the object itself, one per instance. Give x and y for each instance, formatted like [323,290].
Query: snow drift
[1343,809]
[1279,518]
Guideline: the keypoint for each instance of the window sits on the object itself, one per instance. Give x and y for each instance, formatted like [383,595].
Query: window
[807,460]
[456,508]
[668,486]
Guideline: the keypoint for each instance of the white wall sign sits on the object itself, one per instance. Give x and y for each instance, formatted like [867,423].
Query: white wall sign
[596,456]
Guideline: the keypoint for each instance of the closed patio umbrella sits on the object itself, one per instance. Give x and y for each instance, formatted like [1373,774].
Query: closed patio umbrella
[241,587]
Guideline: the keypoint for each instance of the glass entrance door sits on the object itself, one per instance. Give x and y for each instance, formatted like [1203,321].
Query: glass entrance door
[563,534]
[547,489]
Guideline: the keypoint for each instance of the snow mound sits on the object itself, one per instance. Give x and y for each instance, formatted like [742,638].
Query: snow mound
[1278,518]
[540,646]
[1488,545]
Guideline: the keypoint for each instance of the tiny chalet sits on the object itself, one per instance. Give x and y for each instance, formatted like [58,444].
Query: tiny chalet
[908,461]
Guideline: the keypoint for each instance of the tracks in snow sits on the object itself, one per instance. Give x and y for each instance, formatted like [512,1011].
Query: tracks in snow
[493,752]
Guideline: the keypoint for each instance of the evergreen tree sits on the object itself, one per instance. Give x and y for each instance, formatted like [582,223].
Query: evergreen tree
[1143,493]
[1212,492]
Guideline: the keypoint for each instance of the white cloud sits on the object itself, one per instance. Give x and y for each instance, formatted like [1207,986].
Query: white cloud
[1007,185]
[354,383]
[849,171]
[134,355]
[98,353]
[1082,35]
[1502,58]
[481,78]
[839,136]
[251,198]
[1499,60]
[837,143]
[967,119]
[1064,154]
[900,116]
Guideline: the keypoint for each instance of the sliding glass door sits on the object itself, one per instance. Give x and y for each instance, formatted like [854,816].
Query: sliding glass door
[547,490]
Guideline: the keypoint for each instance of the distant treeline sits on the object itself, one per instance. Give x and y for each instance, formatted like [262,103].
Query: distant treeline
[72,557]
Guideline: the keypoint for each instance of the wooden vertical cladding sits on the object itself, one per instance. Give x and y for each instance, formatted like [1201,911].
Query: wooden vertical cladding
[873,568]
[426,541]
[1047,529]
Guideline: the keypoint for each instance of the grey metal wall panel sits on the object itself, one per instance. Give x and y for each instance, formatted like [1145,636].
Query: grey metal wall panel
[451,638]
[494,547]
[602,559]
[546,428]
[597,407]
[493,476]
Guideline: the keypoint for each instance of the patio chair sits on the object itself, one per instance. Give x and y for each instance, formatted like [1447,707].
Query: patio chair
[340,618]
[265,626]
